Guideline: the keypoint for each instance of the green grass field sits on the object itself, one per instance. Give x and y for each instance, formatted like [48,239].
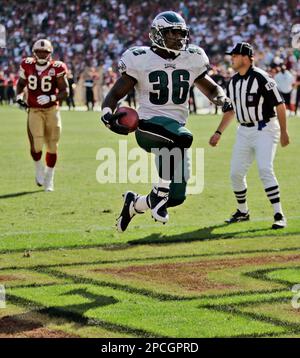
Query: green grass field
[67,272]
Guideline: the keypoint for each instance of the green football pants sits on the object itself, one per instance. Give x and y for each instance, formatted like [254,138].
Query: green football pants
[161,132]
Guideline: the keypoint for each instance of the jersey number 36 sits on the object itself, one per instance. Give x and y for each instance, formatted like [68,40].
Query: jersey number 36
[45,83]
[179,87]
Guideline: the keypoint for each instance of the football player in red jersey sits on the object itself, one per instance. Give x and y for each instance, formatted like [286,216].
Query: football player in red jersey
[46,84]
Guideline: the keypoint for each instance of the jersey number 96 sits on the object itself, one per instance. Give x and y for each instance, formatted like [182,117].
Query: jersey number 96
[46,84]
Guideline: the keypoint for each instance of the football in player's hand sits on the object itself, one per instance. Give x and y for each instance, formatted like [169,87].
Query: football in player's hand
[130,120]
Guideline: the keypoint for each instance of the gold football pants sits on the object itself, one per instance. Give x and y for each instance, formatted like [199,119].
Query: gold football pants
[44,127]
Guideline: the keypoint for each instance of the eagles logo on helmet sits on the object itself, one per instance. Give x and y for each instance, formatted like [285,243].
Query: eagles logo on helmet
[162,24]
[42,51]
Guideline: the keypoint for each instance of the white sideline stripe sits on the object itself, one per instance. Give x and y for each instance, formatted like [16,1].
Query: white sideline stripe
[107,228]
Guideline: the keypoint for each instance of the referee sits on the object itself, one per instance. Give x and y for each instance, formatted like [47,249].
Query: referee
[254,95]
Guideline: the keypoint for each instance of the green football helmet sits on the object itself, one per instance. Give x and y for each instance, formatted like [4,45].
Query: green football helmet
[165,21]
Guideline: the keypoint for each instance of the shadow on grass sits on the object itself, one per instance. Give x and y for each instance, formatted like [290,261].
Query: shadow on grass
[21,193]
[203,234]
[95,301]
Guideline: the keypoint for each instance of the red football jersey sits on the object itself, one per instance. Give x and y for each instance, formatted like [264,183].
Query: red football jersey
[41,80]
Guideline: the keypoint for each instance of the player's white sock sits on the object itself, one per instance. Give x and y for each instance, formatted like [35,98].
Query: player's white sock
[277,208]
[273,194]
[163,183]
[243,207]
[49,179]
[39,172]
[240,196]
[141,204]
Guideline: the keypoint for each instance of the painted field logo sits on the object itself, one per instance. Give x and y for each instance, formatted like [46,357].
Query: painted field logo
[2,297]
[296,298]
[2,36]
[136,166]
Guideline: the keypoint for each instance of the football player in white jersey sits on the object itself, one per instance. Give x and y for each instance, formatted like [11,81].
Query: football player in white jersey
[162,76]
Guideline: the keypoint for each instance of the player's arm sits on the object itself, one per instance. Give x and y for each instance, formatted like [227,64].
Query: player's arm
[211,90]
[120,89]
[271,94]
[63,92]
[226,120]
[281,114]
[63,88]
[21,84]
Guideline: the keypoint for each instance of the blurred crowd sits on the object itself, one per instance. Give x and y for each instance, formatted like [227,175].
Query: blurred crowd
[91,35]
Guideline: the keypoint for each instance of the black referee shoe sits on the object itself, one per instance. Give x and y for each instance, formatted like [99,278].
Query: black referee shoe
[238,216]
[279,221]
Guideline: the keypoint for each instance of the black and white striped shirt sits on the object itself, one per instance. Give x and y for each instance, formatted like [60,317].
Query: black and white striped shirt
[253,95]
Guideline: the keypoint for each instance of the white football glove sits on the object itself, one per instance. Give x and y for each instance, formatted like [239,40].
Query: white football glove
[43,99]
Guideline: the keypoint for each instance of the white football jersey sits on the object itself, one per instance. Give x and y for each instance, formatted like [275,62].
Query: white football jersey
[163,85]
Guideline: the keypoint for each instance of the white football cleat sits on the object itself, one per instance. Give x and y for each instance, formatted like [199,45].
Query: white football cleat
[157,200]
[49,179]
[39,173]
[128,211]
